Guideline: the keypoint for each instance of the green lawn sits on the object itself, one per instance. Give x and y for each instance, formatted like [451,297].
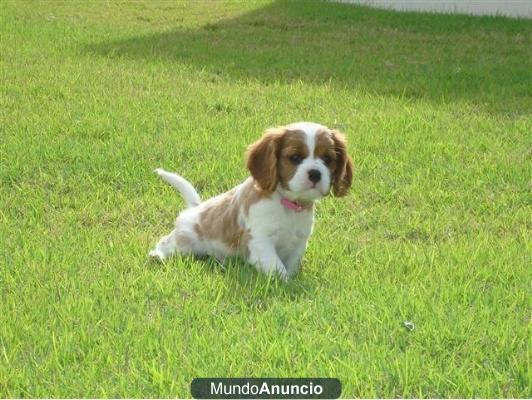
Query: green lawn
[436,229]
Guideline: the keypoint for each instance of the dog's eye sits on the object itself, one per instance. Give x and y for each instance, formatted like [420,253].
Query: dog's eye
[296,159]
[326,159]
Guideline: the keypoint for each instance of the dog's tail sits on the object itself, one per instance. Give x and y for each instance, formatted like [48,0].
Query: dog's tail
[184,187]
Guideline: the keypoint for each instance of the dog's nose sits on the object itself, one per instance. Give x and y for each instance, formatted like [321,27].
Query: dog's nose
[314,175]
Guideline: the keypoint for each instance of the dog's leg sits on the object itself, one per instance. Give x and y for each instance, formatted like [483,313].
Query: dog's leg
[166,247]
[262,254]
[293,261]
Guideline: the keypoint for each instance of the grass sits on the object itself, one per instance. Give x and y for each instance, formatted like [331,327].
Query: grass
[436,229]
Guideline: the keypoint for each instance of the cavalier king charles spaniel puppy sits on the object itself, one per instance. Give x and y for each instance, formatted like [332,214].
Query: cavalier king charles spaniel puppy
[268,218]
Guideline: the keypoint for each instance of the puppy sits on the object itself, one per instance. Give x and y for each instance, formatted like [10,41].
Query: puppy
[268,218]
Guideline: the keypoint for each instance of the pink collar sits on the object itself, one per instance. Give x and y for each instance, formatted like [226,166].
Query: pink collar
[292,205]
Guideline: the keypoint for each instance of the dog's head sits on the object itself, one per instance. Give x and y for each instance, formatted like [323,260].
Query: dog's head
[304,160]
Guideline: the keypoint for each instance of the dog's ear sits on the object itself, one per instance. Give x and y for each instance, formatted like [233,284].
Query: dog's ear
[343,174]
[262,159]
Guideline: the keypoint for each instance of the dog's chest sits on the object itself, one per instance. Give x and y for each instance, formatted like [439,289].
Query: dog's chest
[293,229]
[286,228]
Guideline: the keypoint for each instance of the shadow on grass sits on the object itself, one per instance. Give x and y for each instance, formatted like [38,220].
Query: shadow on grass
[485,61]
[249,289]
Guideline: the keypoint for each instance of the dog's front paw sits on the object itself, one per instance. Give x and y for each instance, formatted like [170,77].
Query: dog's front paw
[282,274]
[156,255]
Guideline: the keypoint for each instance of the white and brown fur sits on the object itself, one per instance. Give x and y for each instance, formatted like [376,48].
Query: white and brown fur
[300,162]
